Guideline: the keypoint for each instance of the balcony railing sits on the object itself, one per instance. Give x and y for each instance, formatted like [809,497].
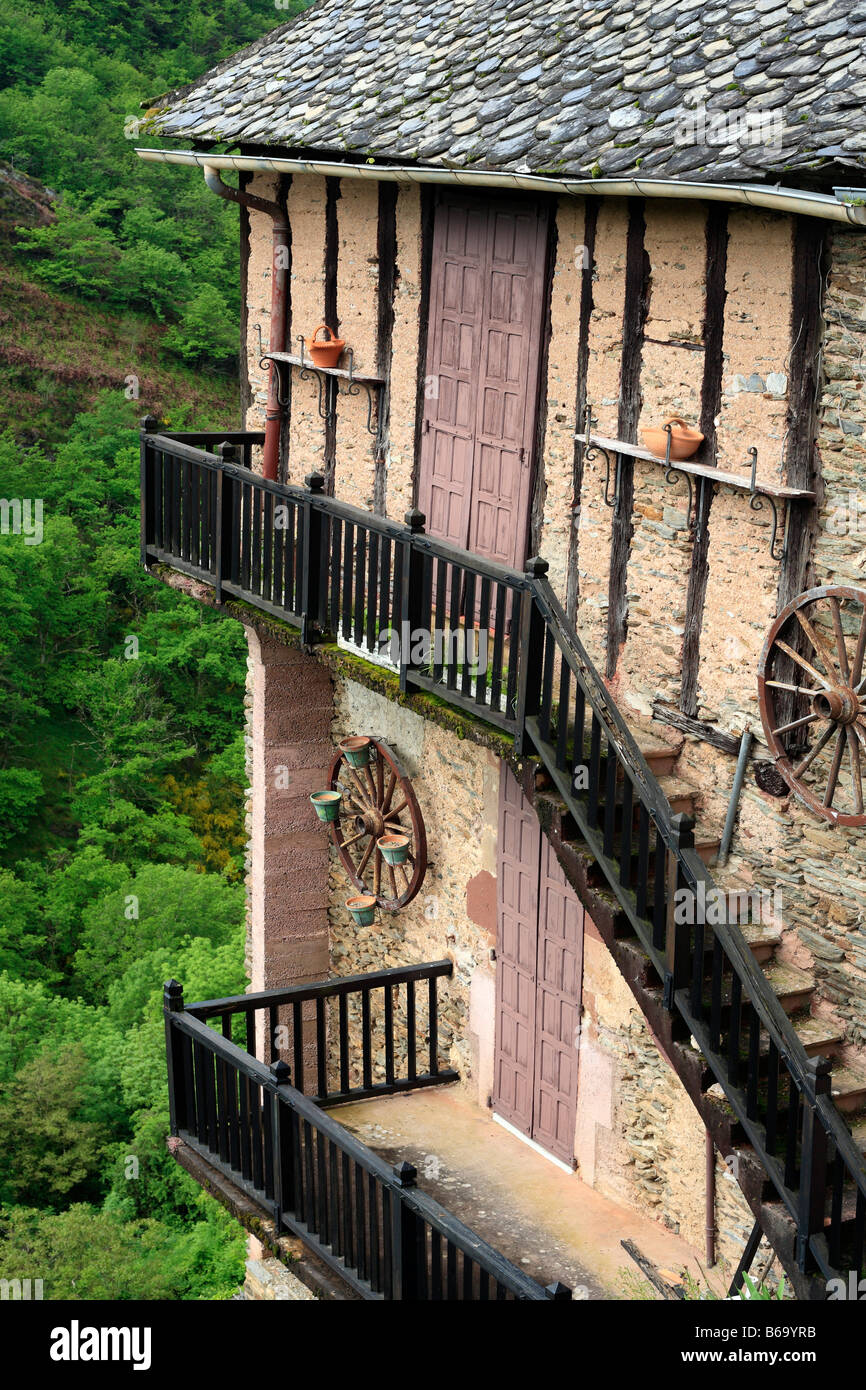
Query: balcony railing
[332,569]
[363,1218]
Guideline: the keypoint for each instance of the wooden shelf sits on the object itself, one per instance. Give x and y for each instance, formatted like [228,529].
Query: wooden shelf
[741,481]
[293,360]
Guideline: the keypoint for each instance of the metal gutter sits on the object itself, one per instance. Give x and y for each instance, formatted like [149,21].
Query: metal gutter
[791,200]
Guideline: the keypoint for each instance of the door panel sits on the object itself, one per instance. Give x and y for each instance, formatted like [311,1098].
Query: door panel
[486,292]
[539,980]
[519,840]
[560,966]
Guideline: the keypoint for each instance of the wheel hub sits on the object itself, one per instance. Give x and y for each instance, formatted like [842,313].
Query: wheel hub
[841,704]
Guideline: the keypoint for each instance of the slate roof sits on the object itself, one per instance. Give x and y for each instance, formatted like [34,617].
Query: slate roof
[740,89]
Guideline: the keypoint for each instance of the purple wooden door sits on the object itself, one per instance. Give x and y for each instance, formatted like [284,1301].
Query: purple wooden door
[538,981]
[484,344]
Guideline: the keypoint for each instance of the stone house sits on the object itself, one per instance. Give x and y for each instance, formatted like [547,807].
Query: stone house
[536,234]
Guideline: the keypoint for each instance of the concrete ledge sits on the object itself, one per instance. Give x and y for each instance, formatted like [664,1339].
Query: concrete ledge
[321,1282]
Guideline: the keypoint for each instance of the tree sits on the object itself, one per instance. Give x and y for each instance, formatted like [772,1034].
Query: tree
[47,1151]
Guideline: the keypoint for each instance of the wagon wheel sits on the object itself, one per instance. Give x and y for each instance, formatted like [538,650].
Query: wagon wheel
[378,800]
[813,700]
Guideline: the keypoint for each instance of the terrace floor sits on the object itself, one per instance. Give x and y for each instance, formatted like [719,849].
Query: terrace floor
[543,1219]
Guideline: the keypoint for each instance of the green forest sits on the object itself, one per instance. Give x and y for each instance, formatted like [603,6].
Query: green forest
[121,702]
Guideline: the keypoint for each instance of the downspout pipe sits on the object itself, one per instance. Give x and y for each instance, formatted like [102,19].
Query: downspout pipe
[279,298]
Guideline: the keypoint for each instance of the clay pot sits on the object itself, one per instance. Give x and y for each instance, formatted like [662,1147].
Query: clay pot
[357,751]
[326,804]
[326,353]
[685,441]
[362,908]
[395,848]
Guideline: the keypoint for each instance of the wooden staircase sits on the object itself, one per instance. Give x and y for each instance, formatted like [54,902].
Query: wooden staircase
[793,988]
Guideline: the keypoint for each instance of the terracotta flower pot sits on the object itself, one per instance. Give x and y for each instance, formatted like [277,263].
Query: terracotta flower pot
[357,751]
[362,908]
[395,848]
[326,353]
[685,441]
[326,804]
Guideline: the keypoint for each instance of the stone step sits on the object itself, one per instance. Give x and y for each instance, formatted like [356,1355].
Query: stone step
[848,1090]
[682,795]
[793,987]
[820,1039]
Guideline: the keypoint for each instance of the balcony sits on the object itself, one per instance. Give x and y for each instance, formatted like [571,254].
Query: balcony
[366,1220]
[335,571]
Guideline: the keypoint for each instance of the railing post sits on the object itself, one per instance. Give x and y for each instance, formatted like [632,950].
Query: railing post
[177,1102]
[813,1159]
[149,425]
[281,1139]
[222,540]
[677,939]
[558,1291]
[530,656]
[411,616]
[404,1268]
[314,557]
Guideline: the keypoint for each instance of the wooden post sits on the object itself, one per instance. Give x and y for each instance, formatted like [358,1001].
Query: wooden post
[177,1102]
[404,1274]
[411,617]
[222,539]
[281,1140]
[149,425]
[677,969]
[530,654]
[813,1161]
[314,558]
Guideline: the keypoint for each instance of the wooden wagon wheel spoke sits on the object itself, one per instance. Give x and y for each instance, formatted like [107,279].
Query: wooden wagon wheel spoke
[366,813]
[820,645]
[819,748]
[859,654]
[801,661]
[835,769]
[856,772]
[841,646]
[796,724]
[802,722]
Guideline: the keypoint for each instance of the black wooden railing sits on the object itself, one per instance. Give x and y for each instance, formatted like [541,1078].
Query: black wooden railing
[335,570]
[365,1219]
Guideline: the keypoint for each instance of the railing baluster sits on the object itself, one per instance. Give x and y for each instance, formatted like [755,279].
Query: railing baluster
[433,1025]
[498,646]
[813,1161]
[343,1008]
[411,1065]
[453,627]
[372,591]
[321,1051]
[256,564]
[792,1133]
[360,584]
[385,597]
[562,719]
[611,768]
[389,1036]
[627,833]
[366,1040]
[753,1063]
[734,1024]
[256,1133]
[545,709]
[643,848]
[476,647]
[594,769]
[515,659]
[298,1044]
[716,996]
[348,557]
[309,1177]
[246,534]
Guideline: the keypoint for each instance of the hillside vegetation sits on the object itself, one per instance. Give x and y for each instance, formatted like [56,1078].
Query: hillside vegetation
[121,703]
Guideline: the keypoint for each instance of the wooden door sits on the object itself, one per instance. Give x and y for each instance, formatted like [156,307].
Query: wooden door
[538,981]
[483,361]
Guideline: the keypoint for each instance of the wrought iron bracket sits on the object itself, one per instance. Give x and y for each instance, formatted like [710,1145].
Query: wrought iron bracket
[756,503]
[590,453]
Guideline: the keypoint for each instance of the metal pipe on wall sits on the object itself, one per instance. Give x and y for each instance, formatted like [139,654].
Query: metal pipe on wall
[710,1157]
[279,299]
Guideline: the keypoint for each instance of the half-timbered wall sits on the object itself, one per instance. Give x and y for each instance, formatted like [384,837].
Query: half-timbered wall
[655,309]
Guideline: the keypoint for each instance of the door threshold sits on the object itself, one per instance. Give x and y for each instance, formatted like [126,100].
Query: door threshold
[532,1144]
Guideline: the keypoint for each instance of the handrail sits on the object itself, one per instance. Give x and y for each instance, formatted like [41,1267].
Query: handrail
[364,1218]
[339,569]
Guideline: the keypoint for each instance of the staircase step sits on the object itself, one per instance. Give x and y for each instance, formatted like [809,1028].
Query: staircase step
[818,1038]
[858,1131]
[848,1090]
[792,987]
[681,795]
